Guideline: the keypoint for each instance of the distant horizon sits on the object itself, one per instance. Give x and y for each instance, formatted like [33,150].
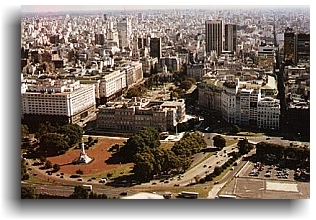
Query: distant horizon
[81,8]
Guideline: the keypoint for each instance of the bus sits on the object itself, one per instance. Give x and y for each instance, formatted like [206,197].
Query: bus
[225,197]
[188,195]
[87,187]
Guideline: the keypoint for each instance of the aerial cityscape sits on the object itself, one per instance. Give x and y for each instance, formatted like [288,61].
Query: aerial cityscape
[183,102]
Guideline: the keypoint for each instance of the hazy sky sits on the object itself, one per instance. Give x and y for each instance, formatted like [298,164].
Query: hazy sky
[54,8]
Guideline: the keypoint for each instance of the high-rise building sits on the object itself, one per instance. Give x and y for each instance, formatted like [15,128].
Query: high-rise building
[302,47]
[155,47]
[230,37]
[214,36]
[289,47]
[124,29]
[296,47]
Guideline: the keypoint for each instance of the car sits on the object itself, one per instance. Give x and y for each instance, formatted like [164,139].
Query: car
[123,194]
[205,165]
[209,138]
[166,181]
[89,180]
[210,166]
[176,185]
[29,168]
[93,178]
[216,182]
[102,180]
[267,138]
[206,172]
[61,176]
[161,181]
[154,183]
[80,179]
[232,168]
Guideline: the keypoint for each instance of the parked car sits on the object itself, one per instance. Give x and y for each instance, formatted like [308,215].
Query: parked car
[123,194]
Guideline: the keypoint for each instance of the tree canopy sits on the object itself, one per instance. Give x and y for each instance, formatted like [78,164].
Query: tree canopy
[53,144]
[80,193]
[71,132]
[219,141]
[28,193]
[244,146]
[24,131]
[24,174]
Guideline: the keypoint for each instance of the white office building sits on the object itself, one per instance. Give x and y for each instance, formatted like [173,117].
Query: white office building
[111,83]
[268,113]
[66,101]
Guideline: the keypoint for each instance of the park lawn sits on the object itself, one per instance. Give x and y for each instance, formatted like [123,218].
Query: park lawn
[230,141]
[35,179]
[166,145]
[120,170]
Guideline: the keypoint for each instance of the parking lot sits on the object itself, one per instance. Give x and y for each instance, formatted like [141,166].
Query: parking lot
[256,184]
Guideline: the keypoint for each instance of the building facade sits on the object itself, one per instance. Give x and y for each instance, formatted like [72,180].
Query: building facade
[268,113]
[64,101]
[111,84]
[230,37]
[214,36]
[155,47]
[196,71]
[131,115]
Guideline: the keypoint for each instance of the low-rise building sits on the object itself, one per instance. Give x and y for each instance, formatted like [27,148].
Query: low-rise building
[131,115]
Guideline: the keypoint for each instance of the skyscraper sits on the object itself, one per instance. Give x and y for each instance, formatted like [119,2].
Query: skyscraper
[289,47]
[124,28]
[155,47]
[214,36]
[230,37]
[302,47]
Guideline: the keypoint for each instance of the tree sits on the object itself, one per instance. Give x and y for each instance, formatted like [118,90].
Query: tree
[144,166]
[72,132]
[24,174]
[48,164]
[28,193]
[197,178]
[94,195]
[144,138]
[56,167]
[244,146]
[24,131]
[80,172]
[53,144]
[90,139]
[44,128]
[235,129]
[217,170]
[219,141]
[42,159]
[186,84]
[80,193]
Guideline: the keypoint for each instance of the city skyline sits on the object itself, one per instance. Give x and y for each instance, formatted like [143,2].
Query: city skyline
[58,8]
